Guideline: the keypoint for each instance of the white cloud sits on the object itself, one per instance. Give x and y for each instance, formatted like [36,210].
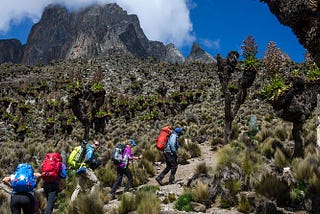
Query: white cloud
[211,44]
[162,20]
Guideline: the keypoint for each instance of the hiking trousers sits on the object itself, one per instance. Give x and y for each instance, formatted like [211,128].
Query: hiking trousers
[51,192]
[171,164]
[24,201]
[83,178]
[120,172]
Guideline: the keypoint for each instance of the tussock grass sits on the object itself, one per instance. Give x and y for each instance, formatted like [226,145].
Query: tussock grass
[280,159]
[226,156]
[4,203]
[201,168]
[201,192]
[273,188]
[148,201]
[106,174]
[147,166]
[128,203]
[193,149]
[86,203]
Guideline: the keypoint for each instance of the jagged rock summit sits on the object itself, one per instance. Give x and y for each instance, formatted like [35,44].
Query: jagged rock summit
[11,50]
[197,54]
[91,32]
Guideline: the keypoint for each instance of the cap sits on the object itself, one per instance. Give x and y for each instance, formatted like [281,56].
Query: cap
[178,130]
[133,143]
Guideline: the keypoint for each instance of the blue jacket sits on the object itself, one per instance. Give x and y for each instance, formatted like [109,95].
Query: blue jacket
[89,153]
[172,144]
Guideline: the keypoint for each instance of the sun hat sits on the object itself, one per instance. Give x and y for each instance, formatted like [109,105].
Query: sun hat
[133,143]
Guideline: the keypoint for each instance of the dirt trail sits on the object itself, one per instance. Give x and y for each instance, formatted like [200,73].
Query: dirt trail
[187,171]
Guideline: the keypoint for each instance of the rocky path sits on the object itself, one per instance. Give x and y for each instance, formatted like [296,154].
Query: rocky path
[186,171]
[183,174]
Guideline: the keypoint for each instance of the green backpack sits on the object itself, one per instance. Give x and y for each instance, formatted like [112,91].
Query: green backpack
[76,157]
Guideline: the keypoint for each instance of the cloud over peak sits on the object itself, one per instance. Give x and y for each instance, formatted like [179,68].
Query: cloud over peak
[166,20]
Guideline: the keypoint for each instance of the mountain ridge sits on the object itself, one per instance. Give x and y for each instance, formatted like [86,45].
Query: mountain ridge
[89,33]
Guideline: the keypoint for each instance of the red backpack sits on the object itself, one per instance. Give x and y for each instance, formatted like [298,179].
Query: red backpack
[163,137]
[51,167]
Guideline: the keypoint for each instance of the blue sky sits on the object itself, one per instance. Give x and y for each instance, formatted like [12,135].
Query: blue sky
[219,26]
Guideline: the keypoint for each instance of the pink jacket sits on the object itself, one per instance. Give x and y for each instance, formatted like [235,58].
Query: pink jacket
[126,156]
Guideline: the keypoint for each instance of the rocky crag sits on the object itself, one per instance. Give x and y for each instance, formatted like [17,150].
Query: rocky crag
[88,33]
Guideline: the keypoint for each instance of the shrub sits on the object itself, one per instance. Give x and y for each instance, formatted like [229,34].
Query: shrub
[280,160]
[106,175]
[273,188]
[201,192]
[201,168]
[148,203]
[297,195]
[281,132]
[306,171]
[4,204]
[86,203]
[193,149]
[147,166]
[226,156]
[183,156]
[183,202]
[273,89]
[244,205]
[128,203]
[171,197]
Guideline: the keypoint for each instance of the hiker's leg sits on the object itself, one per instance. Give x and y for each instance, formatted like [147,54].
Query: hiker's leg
[118,180]
[130,179]
[52,197]
[52,194]
[80,185]
[168,166]
[174,167]
[93,178]
[27,203]
[15,204]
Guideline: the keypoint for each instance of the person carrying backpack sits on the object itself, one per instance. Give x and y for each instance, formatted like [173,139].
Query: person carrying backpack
[123,169]
[52,171]
[170,154]
[85,171]
[23,183]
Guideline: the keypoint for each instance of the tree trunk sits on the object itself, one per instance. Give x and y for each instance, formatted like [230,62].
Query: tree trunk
[298,139]
[228,117]
[318,120]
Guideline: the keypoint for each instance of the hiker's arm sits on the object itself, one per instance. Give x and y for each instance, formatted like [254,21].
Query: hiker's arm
[37,175]
[137,157]
[172,144]
[63,173]
[6,180]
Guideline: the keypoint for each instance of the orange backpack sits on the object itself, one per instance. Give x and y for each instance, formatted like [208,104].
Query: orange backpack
[163,137]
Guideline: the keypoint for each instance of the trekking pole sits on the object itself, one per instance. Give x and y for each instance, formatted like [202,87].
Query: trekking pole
[134,173]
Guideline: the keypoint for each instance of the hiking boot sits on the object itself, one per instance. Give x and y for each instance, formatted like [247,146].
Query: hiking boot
[159,181]
[112,197]
[172,182]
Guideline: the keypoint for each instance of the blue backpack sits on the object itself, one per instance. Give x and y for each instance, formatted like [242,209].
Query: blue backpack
[24,179]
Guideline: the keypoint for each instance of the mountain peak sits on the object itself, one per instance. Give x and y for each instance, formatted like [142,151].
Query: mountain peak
[197,54]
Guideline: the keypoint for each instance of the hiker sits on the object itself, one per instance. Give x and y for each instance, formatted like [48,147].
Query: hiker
[23,195]
[170,154]
[52,180]
[123,168]
[85,172]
